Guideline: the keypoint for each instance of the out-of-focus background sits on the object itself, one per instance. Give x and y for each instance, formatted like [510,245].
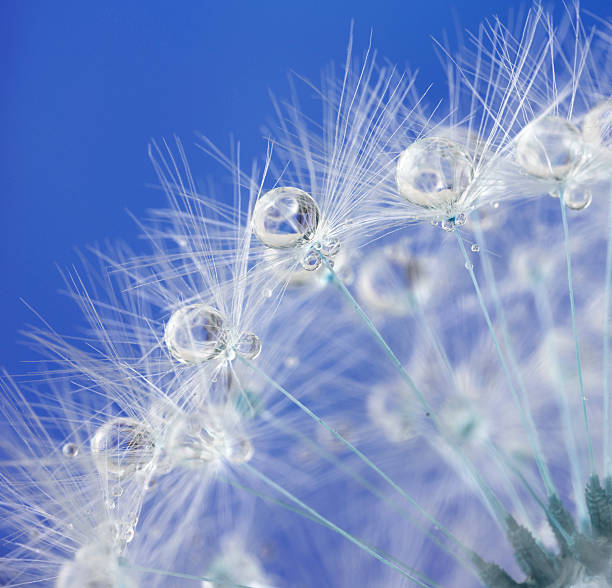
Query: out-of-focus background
[86,86]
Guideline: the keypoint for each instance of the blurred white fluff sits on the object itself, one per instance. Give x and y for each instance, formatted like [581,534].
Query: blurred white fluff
[311,385]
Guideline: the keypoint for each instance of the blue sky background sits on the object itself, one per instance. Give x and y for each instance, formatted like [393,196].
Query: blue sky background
[86,85]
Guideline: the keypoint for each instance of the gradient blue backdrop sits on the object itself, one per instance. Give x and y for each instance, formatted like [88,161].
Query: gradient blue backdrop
[86,85]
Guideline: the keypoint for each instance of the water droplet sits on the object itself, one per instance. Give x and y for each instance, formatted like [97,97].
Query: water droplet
[230,354]
[70,450]
[249,345]
[311,261]
[495,204]
[239,451]
[122,446]
[597,125]
[577,197]
[267,293]
[111,504]
[195,333]
[150,484]
[549,148]
[285,217]
[330,246]
[460,220]
[469,265]
[433,172]
[475,248]
[117,490]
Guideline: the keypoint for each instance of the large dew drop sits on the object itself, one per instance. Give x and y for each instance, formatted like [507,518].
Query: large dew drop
[195,333]
[549,148]
[433,172]
[285,217]
[122,446]
[597,125]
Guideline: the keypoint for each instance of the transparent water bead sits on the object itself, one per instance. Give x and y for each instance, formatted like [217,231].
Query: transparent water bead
[122,446]
[549,148]
[285,217]
[433,172]
[195,333]
[311,261]
[576,197]
[249,345]
[597,125]
[70,450]
[391,281]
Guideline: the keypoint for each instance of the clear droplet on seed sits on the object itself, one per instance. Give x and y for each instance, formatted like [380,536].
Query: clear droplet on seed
[311,261]
[122,446]
[195,333]
[577,197]
[70,450]
[330,246]
[433,172]
[249,345]
[549,148]
[285,217]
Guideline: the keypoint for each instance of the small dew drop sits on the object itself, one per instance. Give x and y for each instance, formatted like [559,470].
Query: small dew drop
[448,224]
[267,293]
[111,504]
[70,450]
[330,246]
[117,490]
[311,261]
[249,345]
[475,248]
[469,265]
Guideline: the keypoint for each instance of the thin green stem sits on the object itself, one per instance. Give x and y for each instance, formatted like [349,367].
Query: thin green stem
[408,574]
[494,506]
[534,447]
[356,451]
[606,347]
[568,258]
[512,359]
[144,570]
